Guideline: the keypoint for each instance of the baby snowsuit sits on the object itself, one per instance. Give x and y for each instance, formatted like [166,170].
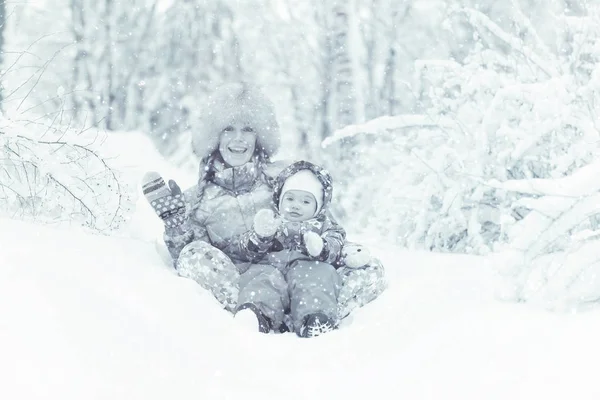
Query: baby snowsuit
[284,278]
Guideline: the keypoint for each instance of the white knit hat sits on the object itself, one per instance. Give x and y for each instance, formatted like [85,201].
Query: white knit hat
[307,181]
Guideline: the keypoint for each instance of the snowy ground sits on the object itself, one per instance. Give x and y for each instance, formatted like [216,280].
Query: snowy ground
[86,317]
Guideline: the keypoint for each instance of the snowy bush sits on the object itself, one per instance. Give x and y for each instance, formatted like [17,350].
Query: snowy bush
[554,253]
[507,112]
[545,136]
[403,178]
[52,174]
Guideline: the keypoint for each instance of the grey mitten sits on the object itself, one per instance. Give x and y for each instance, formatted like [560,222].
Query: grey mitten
[168,201]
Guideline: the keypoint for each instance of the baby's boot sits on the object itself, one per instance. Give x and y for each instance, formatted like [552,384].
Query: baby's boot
[316,324]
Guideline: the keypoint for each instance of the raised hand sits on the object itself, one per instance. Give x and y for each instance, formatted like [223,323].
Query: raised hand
[167,201]
[313,243]
[266,223]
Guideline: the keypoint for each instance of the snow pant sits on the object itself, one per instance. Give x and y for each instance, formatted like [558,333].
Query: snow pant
[304,287]
[360,286]
[214,271]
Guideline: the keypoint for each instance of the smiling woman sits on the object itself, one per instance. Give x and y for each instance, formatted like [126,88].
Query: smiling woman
[234,138]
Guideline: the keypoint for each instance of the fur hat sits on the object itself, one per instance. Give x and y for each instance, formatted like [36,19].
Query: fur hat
[236,102]
[304,180]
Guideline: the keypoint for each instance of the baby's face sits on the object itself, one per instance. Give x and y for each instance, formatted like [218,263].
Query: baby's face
[298,205]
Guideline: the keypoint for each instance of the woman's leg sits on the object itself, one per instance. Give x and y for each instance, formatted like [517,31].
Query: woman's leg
[212,270]
[313,288]
[360,286]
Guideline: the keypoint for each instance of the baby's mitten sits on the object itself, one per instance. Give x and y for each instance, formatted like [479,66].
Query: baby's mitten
[266,223]
[313,243]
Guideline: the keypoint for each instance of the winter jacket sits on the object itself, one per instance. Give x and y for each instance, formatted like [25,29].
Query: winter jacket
[287,244]
[222,206]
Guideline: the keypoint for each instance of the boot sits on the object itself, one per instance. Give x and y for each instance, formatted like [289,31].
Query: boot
[316,324]
[254,313]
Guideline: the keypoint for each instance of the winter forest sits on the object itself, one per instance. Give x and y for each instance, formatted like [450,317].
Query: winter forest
[450,127]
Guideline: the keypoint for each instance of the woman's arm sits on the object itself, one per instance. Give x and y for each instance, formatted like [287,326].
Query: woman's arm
[193,227]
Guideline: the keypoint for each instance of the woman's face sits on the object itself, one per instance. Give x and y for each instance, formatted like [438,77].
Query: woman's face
[237,144]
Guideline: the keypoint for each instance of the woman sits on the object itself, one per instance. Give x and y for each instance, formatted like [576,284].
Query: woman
[238,134]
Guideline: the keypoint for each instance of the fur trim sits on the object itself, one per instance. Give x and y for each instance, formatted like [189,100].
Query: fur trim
[322,175]
[307,181]
[236,102]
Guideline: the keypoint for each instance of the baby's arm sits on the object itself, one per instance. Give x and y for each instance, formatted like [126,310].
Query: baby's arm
[255,243]
[329,242]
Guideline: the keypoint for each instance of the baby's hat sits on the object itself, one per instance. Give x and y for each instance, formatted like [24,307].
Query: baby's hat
[307,181]
[304,175]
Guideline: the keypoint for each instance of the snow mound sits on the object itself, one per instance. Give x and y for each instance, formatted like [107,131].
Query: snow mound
[96,317]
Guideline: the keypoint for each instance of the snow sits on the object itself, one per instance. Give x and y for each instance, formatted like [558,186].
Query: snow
[96,317]
[134,155]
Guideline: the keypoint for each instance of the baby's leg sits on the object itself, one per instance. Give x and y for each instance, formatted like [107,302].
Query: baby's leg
[313,287]
[265,287]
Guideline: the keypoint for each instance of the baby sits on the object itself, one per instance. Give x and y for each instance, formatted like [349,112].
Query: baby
[293,250]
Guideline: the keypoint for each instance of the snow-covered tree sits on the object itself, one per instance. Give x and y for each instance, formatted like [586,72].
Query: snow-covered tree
[111,60]
[343,75]
[3,20]
[512,109]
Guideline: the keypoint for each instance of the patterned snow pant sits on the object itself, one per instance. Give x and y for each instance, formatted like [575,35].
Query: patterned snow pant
[214,271]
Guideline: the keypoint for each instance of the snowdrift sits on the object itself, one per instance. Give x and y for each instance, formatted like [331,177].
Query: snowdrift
[96,317]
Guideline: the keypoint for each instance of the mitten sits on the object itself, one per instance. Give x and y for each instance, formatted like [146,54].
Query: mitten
[167,201]
[355,255]
[266,223]
[313,243]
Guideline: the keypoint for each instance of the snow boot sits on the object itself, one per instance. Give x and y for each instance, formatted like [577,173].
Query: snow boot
[316,324]
[264,324]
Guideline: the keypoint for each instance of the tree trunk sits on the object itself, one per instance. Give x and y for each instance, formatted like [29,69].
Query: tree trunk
[343,77]
[389,88]
[109,97]
[2,30]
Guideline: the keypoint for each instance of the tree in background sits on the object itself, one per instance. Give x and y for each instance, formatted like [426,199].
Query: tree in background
[196,49]
[111,60]
[120,65]
[2,33]
[513,108]
[343,82]
[326,64]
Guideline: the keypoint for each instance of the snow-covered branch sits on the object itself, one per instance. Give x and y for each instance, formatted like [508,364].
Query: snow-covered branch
[482,21]
[583,182]
[60,175]
[389,123]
